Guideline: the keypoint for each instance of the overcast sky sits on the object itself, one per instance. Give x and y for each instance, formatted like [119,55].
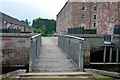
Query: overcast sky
[31,9]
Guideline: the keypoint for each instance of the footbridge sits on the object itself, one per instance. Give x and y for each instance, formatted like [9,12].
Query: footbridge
[56,57]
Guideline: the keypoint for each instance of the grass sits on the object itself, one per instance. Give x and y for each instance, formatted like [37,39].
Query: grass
[11,78]
[105,77]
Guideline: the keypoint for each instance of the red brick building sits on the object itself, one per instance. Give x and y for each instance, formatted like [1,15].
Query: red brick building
[108,15]
[102,16]
[77,14]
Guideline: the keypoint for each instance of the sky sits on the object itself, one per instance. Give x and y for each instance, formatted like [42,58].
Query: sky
[31,9]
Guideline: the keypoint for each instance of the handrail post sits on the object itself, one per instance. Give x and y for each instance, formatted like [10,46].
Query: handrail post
[117,55]
[69,47]
[34,50]
[30,55]
[81,56]
[104,56]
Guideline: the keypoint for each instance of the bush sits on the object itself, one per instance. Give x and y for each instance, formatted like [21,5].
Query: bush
[37,30]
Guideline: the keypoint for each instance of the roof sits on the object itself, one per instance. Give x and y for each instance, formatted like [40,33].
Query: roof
[13,20]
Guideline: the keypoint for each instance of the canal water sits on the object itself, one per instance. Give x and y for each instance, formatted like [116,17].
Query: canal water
[10,69]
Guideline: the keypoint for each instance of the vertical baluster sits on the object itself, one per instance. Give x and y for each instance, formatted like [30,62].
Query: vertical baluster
[117,55]
[104,56]
[110,54]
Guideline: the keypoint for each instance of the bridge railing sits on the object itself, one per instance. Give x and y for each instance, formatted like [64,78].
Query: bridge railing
[73,46]
[34,50]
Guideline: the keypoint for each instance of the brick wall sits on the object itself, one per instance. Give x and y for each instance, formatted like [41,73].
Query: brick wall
[15,49]
[64,18]
[108,17]
[70,16]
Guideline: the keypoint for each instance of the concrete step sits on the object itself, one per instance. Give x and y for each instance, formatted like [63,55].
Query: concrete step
[55,70]
[57,76]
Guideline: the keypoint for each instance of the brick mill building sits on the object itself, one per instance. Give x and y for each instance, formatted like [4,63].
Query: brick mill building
[100,16]
[108,15]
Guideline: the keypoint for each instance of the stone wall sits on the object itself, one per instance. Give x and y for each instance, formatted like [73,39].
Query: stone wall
[15,49]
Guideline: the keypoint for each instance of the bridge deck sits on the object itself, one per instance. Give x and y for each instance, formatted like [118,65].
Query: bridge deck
[52,59]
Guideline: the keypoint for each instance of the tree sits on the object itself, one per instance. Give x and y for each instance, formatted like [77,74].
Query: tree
[43,28]
[37,30]
[26,21]
[48,26]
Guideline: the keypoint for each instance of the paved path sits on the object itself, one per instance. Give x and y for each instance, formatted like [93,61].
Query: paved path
[52,59]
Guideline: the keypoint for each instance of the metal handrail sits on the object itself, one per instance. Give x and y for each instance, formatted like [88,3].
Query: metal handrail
[69,36]
[34,50]
[73,47]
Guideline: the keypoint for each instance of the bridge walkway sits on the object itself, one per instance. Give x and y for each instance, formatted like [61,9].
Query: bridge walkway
[52,58]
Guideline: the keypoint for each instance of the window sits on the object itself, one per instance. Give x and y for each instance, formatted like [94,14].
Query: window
[82,16]
[5,22]
[82,25]
[24,29]
[95,8]
[17,27]
[94,25]
[83,8]
[94,16]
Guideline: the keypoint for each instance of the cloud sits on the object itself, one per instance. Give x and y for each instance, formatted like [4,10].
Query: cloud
[32,8]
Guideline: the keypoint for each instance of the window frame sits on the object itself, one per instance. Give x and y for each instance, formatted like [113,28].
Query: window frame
[94,25]
[83,8]
[82,16]
[95,8]
[95,16]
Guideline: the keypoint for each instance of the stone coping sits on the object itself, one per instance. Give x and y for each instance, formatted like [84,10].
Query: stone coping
[16,34]
[95,35]
[57,74]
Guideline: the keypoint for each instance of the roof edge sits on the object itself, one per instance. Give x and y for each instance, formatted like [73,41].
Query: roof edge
[62,8]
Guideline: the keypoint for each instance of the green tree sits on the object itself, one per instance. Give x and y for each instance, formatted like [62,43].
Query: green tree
[26,21]
[48,26]
[43,28]
[37,30]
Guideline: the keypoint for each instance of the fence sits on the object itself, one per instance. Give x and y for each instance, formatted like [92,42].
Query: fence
[9,30]
[81,30]
[34,50]
[73,46]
